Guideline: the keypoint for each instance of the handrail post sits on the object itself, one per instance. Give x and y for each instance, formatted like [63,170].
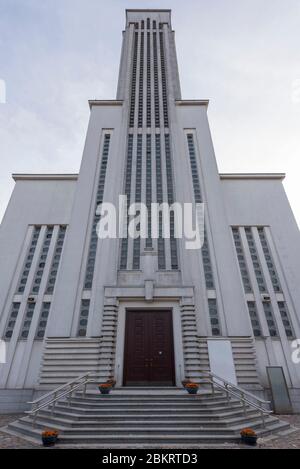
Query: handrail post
[227,392]
[244,403]
[263,419]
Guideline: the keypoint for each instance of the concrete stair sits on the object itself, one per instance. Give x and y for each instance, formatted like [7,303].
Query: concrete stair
[146,417]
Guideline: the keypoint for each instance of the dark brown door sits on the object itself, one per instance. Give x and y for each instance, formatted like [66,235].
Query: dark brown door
[149,357]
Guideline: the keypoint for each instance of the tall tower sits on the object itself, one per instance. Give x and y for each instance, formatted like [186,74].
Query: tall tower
[151,146]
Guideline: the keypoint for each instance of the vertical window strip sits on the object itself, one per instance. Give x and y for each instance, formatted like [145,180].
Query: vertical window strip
[83,318]
[268,310]
[241,260]
[286,320]
[156,92]
[124,244]
[254,318]
[42,261]
[255,261]
[213,315]
[29,258]
[159,198]
[148,107]
[205,251]
[89,274]
[170,192]
[56,260]
[148,188]
[164,81]
[27,320]
[43,319]
[138,198]
[133,81]
[141,83]
[269,260]
[11,321]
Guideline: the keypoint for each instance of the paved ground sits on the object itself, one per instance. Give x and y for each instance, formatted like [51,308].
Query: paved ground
[291,441]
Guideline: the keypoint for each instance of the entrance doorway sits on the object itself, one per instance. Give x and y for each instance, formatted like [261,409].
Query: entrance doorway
[149,351]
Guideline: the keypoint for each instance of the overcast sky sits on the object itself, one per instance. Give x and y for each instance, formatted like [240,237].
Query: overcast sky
[241,54]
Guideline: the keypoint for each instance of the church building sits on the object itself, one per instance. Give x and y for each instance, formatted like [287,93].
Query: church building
[147,311]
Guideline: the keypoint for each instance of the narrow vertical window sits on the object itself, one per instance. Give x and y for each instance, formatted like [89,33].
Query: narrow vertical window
[148,187]
[133,81]
[269,260]
[270,318]
[159,198]
[43,319]
[164,81]
[170,192]
[141,83]
[27,321]
[286,320]
[241,260]
[138,198]
[89,274]
[42,261]
[254,318]
[205,251]
[148,99]
[255,260]
[56,260]
[156,89]
[213,314]
[11,321]
[83,318]
[128,175]
[29,258]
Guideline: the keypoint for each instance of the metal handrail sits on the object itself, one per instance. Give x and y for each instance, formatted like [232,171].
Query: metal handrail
[58,389]
[235,387]
[59,393]
[232,390]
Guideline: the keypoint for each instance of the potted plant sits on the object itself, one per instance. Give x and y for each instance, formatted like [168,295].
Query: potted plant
[105,388]
[248,436]
[112,382]
[192,388]
[49,437]
[185,382]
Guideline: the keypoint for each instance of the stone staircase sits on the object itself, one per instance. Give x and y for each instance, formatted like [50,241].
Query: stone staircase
[146,417]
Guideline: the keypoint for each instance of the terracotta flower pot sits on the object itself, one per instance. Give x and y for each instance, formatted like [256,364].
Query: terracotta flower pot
[192,390]
[249,440]
[49,440]
[104,390]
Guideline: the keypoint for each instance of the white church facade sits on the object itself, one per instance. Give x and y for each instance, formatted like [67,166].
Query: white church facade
[147,312]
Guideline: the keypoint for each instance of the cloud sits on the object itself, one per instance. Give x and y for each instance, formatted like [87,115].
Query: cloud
[56,54]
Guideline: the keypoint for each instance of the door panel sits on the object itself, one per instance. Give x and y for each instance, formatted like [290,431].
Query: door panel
[149,355]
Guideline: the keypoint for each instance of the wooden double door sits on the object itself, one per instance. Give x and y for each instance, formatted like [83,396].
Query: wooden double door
[149,352]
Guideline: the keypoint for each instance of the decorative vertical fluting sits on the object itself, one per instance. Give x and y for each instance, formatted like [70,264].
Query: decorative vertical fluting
[149,78]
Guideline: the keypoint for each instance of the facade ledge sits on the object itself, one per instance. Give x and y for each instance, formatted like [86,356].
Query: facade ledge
[278,176]
[105,102]
[191,102]
[44,177]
